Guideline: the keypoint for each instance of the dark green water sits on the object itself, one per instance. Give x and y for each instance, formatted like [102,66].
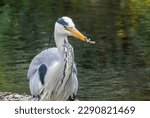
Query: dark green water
[116,68]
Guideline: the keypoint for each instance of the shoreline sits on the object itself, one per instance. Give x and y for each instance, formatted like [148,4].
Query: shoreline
[10,96]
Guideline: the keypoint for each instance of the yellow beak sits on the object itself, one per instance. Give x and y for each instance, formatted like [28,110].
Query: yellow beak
[78,34]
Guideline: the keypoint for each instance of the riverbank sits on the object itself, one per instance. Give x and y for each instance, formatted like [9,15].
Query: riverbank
[8,96]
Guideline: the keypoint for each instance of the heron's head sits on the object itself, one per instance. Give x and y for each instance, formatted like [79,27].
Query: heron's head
[65,26]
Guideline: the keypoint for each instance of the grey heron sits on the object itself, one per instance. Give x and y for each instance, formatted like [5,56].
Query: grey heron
[52,73]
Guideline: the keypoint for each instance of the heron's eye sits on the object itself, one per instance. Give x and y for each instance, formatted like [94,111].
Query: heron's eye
[66,27]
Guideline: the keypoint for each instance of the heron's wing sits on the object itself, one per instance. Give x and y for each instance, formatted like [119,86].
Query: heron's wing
[47,57]
[39,66]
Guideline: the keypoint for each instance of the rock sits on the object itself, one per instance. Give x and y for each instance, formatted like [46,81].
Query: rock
[8,96]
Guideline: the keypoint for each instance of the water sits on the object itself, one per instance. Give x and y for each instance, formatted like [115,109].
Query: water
[116,68]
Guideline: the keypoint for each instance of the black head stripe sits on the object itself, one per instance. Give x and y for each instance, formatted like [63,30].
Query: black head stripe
[62,22]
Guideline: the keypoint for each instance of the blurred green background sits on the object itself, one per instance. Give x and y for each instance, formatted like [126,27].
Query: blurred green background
[116,68]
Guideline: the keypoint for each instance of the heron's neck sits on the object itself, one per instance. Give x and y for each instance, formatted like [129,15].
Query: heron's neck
[66,52]
[64,48]
[59,40]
